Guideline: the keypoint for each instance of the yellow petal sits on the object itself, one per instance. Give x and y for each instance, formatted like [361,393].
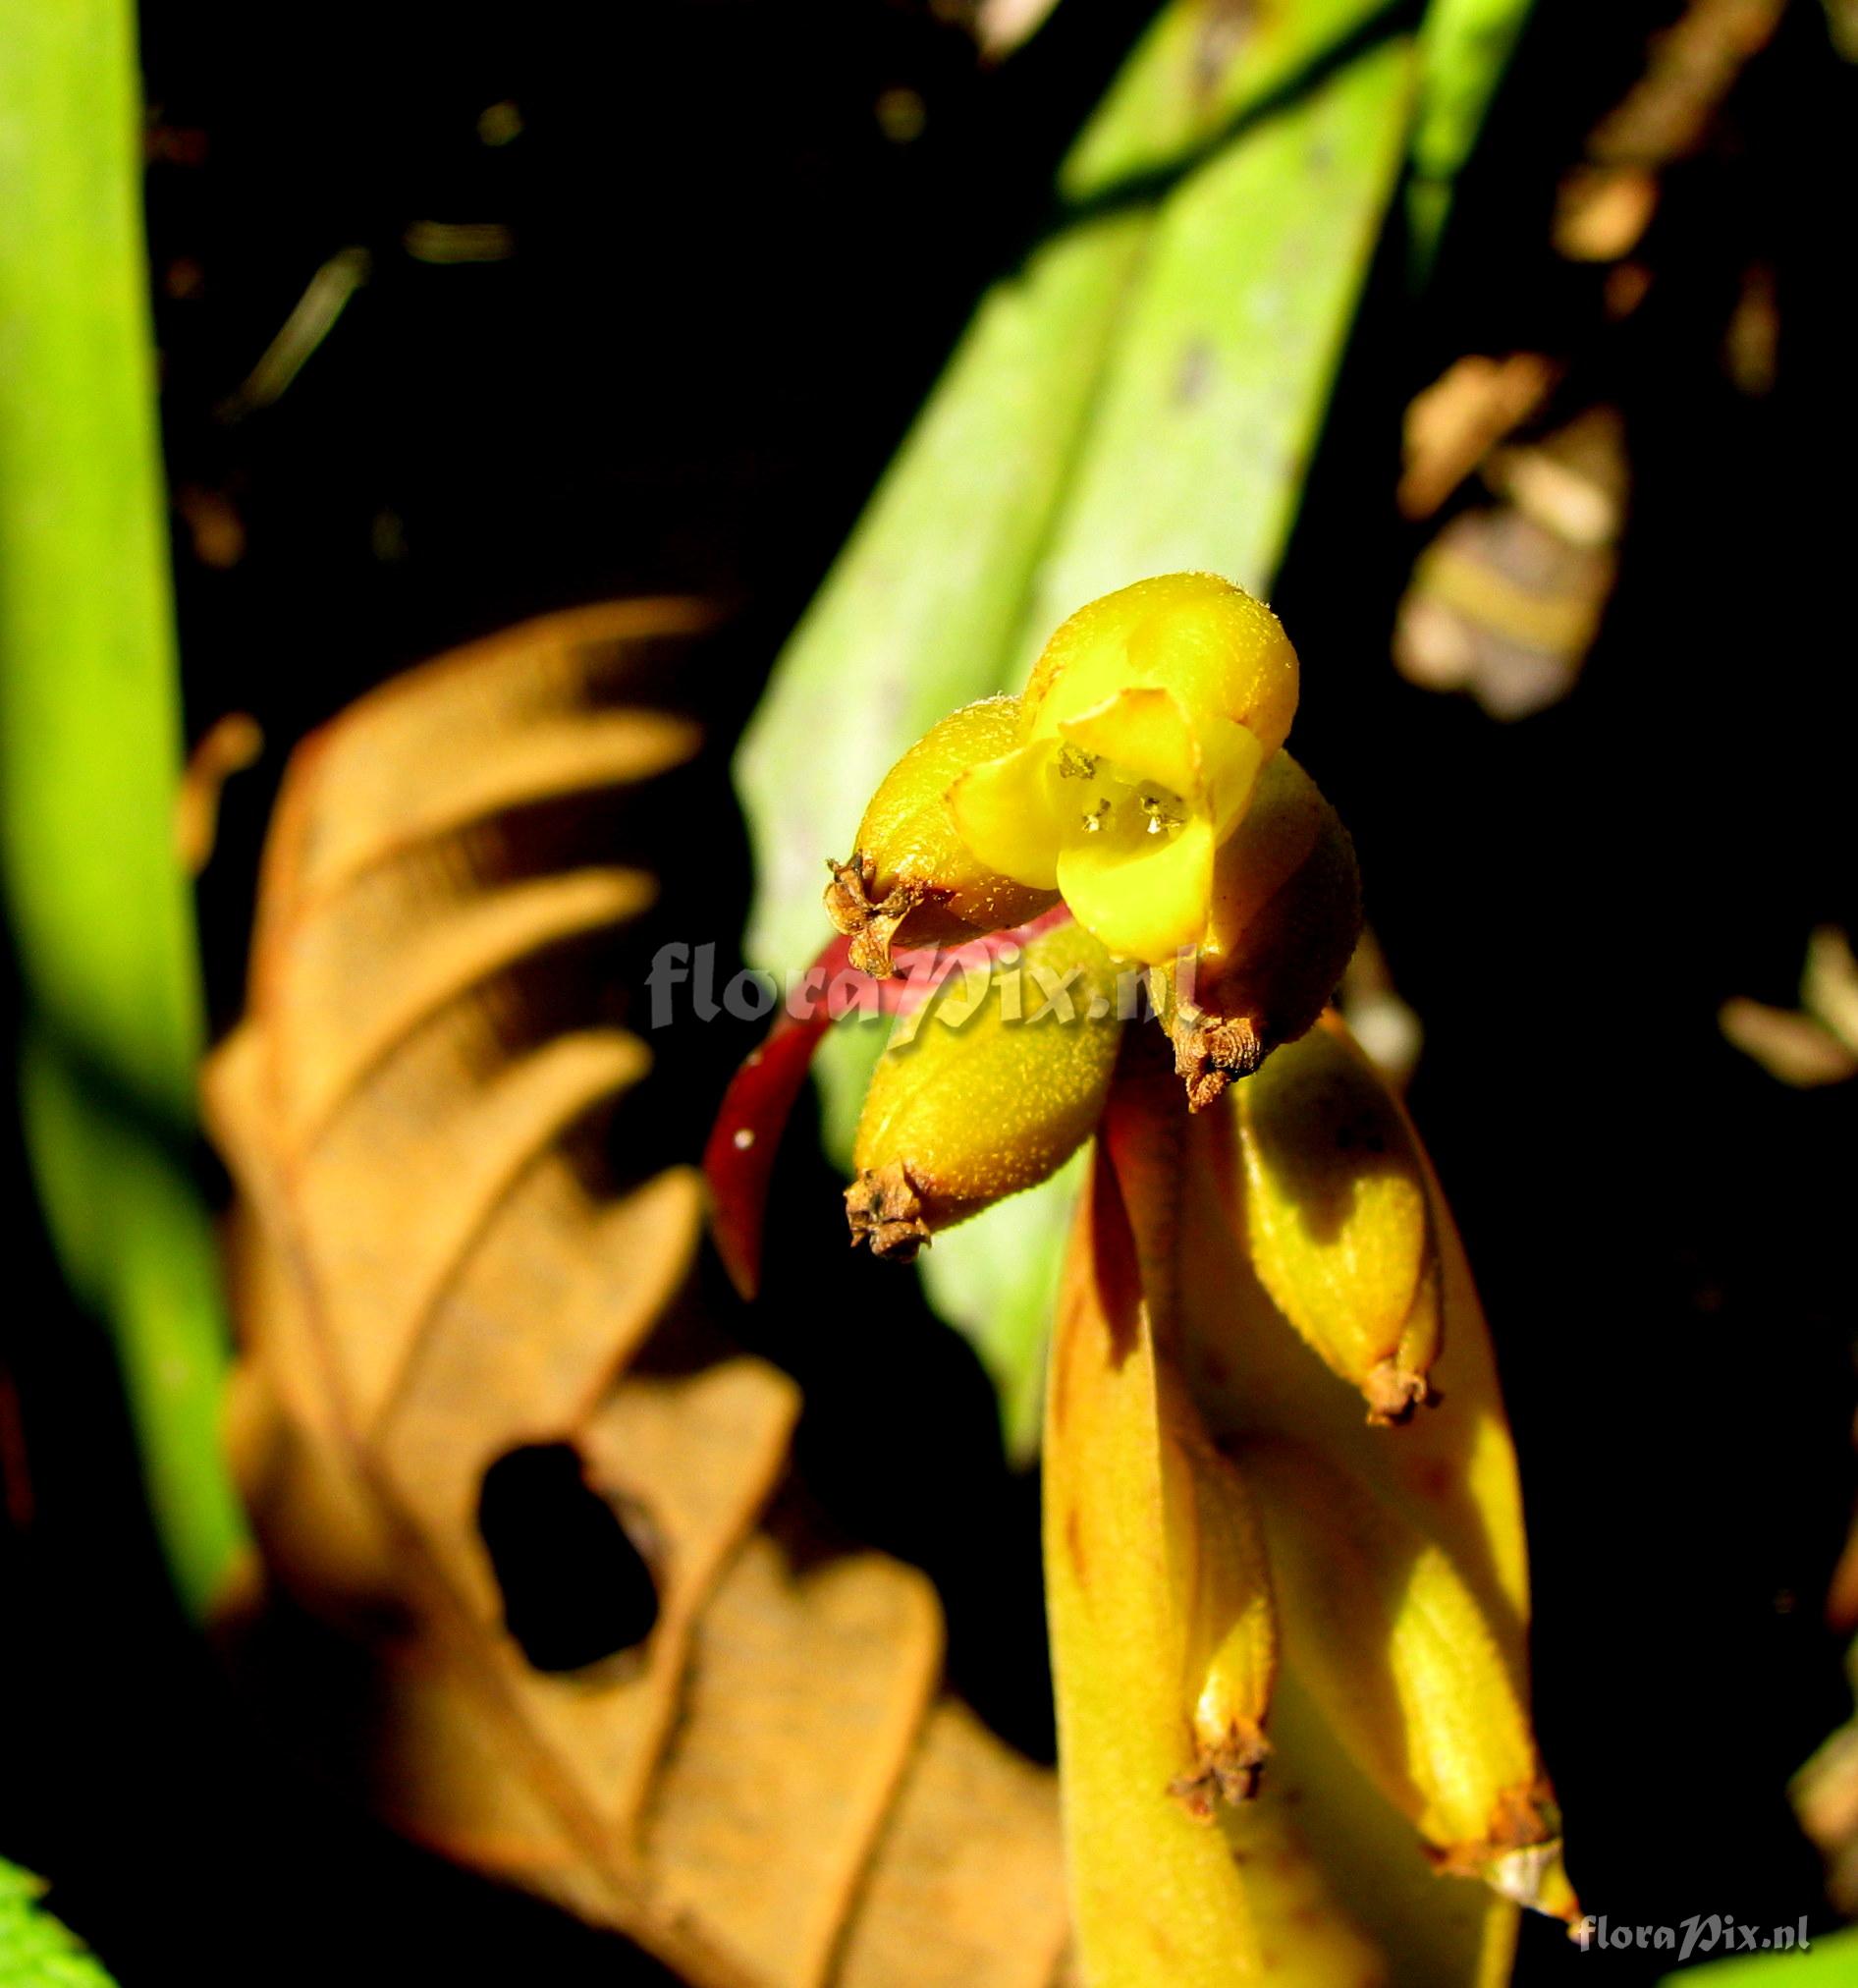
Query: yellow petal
[1146,733]
[1003,810]
[1230,761]
[1143,902]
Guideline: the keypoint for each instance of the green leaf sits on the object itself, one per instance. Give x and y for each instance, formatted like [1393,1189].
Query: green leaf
[1464,50]
[89,750]
[35,1951]
[1208,416]
[1143,394]
[126,1218]
[1829,1962]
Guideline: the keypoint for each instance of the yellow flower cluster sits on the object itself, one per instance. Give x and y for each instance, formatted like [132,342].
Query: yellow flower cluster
[1288,1642]
[1111,781]
[1142,735]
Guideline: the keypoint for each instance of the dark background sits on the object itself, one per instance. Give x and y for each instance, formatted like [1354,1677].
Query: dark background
[728,291]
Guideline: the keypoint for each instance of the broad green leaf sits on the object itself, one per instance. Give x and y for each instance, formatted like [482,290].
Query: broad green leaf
[1465,49]
[90,747]
[1143,394]
[1829,1962]
[1210,406]
[36,1950]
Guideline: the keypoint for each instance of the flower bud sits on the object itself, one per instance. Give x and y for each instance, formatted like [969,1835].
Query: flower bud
[989,1087]
[1338,1217]
[1285,914]
[1410,1672]
[1143,731]
[911,877]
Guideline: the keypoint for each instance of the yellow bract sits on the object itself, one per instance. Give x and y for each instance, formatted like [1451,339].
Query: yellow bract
[1142,735]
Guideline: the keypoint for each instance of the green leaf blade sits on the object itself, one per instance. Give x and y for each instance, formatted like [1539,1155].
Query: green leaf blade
[1210,412]
[90,740]
[1465,48]
[36,1950]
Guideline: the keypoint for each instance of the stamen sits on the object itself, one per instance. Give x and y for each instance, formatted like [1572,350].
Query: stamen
[1074,763]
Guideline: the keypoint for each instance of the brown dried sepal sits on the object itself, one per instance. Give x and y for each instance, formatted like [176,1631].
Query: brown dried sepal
[1211,1050]
[870,925]
[885,1210]
[1394,1392]
[1229,1772]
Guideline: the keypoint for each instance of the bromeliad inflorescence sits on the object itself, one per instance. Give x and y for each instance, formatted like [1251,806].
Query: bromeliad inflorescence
[1288,1639]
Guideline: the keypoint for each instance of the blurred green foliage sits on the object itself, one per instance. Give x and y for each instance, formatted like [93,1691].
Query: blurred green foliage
[90,755]
[1465,50]
[1829,1962]
[35,1951]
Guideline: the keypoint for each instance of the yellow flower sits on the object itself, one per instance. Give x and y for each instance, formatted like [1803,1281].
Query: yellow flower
[1142,734]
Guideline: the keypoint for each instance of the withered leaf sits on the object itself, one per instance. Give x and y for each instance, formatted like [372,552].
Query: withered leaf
[436,1263]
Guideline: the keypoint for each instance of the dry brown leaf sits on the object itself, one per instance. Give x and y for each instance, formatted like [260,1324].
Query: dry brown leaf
[1506,602]
[1454,424]
[1506,599]
[434,1265]
[228,746]
[999,26]
[1816,1043]
[1572,482]
[1788,1045]
[1504,608]
[1690,67]
[1604,205]
[1602,212]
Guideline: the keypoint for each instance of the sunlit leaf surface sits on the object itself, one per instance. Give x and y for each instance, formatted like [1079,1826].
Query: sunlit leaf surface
[89,756]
